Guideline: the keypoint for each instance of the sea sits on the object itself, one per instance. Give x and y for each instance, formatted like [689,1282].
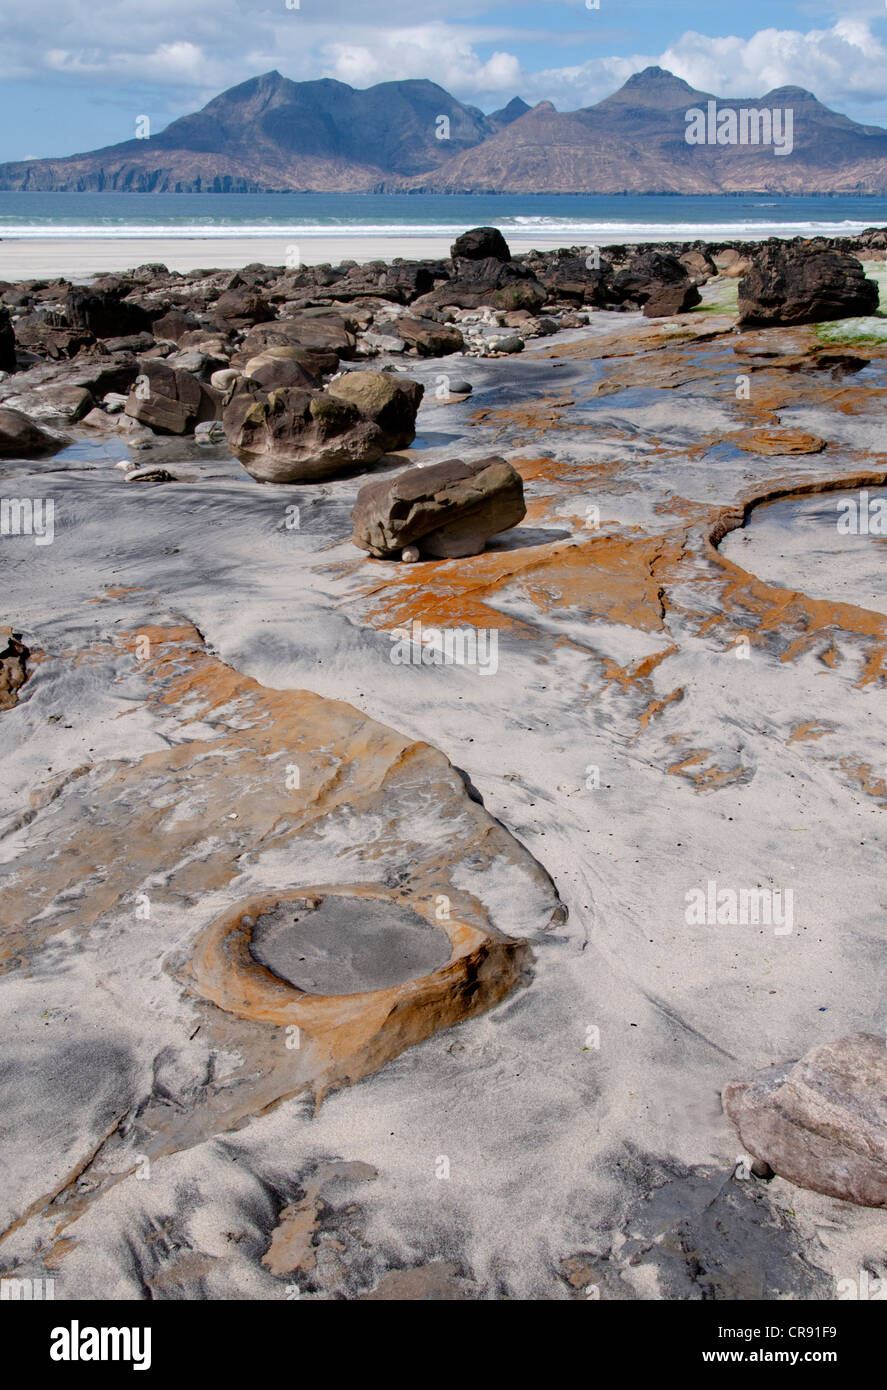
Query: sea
[572,219]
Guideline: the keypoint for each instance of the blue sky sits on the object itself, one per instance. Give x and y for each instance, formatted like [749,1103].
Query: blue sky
[78,73]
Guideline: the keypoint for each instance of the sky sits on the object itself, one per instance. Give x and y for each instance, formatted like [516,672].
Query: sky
[78,74]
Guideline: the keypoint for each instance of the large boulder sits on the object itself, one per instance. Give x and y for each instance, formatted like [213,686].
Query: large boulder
[391,402]
[105,314]
[658,283]
[295,436]
[789,284]
[480,244]
[170,400]
[7,342]
[821,1122]
[21,438]
[446,511]
[428,338]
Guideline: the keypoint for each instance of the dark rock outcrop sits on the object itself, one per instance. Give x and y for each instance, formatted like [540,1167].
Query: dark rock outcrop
[481,244]
[7,342]
[105,314]
[658,282]
[790,283]
[500,284]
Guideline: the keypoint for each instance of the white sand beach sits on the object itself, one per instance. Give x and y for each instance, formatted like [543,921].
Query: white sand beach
[79,258]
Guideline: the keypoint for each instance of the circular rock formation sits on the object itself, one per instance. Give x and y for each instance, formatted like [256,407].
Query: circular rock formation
[338,945]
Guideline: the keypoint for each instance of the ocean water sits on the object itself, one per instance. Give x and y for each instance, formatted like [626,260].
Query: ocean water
[576,218]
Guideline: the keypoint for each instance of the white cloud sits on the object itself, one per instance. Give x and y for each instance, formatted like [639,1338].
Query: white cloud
[840,64]
[185,51]
[430,50]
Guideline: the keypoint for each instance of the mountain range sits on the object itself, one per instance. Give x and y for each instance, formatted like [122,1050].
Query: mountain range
[270,134]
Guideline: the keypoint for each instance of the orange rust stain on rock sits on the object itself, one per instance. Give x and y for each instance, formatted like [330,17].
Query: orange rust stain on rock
[810,730]
[116,593]
[706,778]
[864,775]
[609,577]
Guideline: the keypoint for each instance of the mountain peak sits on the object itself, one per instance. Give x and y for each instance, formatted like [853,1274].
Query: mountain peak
[654,87]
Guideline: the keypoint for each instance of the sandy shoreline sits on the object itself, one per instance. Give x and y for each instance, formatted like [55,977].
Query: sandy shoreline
[80,258]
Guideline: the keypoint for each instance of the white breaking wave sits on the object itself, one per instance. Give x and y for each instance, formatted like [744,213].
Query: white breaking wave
[572,232]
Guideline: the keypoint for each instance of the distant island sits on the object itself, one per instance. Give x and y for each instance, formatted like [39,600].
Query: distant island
[656,134]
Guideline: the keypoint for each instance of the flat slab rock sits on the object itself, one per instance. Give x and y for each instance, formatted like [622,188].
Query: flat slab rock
[821,1122]
[446,511]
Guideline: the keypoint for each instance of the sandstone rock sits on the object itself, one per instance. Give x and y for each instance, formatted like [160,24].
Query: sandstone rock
[292,436]
[69,403]
[391,402]
[480,244]
[133,342]
[790,284]
[224,380]
[384,342]
[821,1122]
[241,308]
[511,344]
[149,475]
[173,326]
[209,432]
[13,667]
[21,438]
[105,314]
[430,339]
[320,342]
[99,420]
[447,510]
[778,441]
[37,334]
[170,401]
[698,265]
[277,367]
[729,262]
